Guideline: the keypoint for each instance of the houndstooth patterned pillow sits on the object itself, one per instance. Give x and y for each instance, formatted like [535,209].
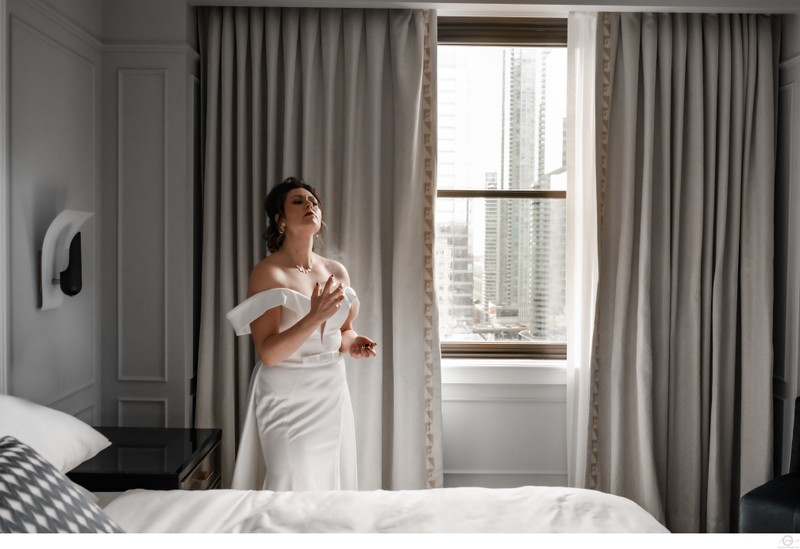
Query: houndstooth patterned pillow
[36,497]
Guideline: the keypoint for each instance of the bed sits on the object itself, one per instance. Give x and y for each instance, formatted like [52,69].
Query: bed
[450,510]
[39,445]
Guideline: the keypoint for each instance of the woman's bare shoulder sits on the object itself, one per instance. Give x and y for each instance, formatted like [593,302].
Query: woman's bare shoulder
[266,275]
[337,269]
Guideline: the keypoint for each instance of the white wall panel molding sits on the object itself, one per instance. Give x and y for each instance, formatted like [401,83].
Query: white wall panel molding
[17,22]
[785,168]
[69,393]
[789,63]
[503,480]
[505,399]
[151,47]
[86,415]
[786,370]
[504,423]
[5,222]
[504,472]
[65,23]
[142,412]
[503,392]
[78,405]
[142,179]
[53,165]
[504,372]
[148,166]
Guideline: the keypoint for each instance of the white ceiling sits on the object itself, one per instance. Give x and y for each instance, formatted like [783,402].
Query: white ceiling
[534,8]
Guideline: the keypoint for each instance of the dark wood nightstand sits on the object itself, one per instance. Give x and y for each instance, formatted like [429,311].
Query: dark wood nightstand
[153,459]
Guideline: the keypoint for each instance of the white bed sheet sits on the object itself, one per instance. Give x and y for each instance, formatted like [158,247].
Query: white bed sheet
[447,510]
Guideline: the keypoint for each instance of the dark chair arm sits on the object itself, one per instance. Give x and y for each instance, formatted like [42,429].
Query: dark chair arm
[772,507]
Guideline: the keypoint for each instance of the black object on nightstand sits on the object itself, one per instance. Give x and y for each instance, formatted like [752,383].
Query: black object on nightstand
[153,459]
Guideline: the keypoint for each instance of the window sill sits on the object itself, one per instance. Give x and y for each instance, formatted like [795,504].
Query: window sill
[504,371]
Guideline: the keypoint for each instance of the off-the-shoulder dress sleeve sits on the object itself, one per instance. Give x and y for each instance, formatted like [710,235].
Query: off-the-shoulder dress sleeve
[256,305]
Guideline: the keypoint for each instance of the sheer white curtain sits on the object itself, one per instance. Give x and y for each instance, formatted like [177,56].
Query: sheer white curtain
[346,100]
[681,406]
[581,233]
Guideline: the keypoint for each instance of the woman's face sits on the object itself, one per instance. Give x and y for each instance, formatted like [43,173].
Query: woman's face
[302,209]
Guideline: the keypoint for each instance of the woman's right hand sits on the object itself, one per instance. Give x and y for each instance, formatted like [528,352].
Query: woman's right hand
[326,300]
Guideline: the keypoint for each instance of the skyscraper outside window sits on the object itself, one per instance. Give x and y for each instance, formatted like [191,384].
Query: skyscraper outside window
[501,256]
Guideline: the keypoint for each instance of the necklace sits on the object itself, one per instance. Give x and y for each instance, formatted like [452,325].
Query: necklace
[304,270]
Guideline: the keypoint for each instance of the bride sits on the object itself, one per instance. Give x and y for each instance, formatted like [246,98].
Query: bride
[298,432]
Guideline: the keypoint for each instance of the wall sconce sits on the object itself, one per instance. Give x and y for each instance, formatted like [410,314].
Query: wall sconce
[61,258]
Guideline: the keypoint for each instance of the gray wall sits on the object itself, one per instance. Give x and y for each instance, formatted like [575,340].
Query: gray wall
[149,22]
[790,37]
[54,157]
[786,379]
[102,97]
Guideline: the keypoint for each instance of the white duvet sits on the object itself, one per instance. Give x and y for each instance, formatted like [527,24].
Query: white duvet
[448,510]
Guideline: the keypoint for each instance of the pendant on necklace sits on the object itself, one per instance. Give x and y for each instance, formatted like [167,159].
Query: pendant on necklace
[304,270]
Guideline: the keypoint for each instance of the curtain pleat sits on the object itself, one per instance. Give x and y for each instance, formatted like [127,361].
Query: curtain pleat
[682,362]
[336,97]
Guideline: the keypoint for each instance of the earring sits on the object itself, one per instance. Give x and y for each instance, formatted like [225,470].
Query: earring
[281,228]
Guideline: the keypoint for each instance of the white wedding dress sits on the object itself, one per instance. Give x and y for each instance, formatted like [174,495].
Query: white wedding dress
[298,433]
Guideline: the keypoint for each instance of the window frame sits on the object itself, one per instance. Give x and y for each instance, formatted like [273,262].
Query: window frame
[502,31]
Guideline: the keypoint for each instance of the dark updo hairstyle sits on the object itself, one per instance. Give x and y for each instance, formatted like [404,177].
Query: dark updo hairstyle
[274,206]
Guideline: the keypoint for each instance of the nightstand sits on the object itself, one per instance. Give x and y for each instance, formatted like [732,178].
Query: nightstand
[153,459]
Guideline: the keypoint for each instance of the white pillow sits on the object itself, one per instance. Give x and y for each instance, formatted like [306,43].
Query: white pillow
[62,439]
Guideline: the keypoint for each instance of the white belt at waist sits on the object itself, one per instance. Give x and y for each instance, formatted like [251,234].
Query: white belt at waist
[322,358]
[309,360]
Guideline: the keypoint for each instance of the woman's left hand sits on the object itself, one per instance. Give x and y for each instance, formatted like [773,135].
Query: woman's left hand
[362,347]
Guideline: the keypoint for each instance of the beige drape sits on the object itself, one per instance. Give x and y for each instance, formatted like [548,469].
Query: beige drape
[682,363]
[344,99]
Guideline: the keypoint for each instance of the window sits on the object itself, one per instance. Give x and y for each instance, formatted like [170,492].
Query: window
[500,206]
